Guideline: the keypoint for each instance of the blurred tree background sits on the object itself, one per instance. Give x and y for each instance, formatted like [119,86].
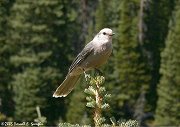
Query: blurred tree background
[40,38]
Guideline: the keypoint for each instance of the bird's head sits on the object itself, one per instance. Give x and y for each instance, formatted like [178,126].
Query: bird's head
[105,34]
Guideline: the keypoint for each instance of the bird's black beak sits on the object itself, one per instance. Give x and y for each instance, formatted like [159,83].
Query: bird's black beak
[112,34]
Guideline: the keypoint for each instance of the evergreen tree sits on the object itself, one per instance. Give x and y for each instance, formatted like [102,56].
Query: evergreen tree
[27,88]
[101,15]
[152,23]
[156,19]
[129,69]
[5,94]
[167,112]
[106,14]
[40,37]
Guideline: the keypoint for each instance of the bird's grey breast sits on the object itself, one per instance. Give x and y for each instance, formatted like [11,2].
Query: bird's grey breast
[101,53]
[103,48]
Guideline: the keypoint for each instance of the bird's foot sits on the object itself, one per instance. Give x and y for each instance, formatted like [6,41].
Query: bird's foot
[98,72]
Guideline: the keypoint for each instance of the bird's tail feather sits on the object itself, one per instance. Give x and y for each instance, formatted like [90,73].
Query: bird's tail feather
[66,87]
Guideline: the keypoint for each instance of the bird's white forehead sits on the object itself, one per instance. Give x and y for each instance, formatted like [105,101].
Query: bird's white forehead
[107,30]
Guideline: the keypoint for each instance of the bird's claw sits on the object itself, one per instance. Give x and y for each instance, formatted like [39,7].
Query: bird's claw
[98,72]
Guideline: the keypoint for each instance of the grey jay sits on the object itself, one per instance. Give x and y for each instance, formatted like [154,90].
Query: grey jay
[94,54]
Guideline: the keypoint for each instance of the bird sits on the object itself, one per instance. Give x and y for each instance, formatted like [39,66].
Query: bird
[93,55]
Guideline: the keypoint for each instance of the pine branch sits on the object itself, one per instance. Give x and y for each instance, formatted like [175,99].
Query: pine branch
[97,98]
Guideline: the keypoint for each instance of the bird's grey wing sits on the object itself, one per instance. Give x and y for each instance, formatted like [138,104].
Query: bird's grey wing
[88,49]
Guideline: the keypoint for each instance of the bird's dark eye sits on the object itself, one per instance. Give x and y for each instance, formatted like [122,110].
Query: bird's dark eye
[104,33]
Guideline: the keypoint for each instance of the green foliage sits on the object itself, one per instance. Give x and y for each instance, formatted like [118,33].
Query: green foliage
[129,70]
[5,93]
[129,123]
[77,112]
[3,117]
[26,86]
[106,14]
[101,15]
[167,112]
[156,21]
[40,119]
[38,32]
[40,38]
[96,98]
